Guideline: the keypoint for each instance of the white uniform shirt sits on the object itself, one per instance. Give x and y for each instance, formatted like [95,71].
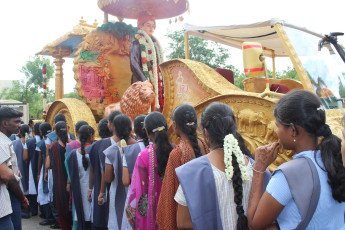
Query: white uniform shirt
[225,195]
[5,157]
[32,186]
[84,185]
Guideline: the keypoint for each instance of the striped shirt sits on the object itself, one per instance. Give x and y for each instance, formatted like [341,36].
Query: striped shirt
[5,157]
[225,195]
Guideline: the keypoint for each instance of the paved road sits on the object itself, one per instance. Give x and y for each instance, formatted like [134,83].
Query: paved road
[33,224]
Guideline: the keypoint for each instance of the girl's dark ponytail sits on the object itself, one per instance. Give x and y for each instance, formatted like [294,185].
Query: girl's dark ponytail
[186,118]
[123,126]
[61,131]
[242,221]
[331,156]
[140,130]
[163,149]
[156,124]
[45,128]
[37,129]
[85,132]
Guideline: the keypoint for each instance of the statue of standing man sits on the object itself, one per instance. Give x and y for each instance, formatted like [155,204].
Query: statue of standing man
[146,55]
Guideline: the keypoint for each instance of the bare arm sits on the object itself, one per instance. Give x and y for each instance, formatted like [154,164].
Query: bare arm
[109,173]
[6,174]
[47,163]
[7,177]
[91,183]
[48,166]
[262,209]
[40,163]
[25,155]
[102,190]
[184,221]
[126,180]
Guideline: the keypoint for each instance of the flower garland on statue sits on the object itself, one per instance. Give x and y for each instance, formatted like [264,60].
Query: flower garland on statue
[148,47]
[231,147]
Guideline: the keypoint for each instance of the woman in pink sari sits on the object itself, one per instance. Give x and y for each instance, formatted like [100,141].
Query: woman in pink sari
[148,174]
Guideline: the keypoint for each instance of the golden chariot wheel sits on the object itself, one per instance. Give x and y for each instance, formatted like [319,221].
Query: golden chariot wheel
[74,111]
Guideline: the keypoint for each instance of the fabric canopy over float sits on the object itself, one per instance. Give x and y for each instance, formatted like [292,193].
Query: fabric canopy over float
[132,8]
[235,35]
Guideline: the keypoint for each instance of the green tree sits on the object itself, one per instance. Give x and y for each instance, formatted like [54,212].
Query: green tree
[201,50]
[33,72]
[30,90]
[73,94]
[289,73]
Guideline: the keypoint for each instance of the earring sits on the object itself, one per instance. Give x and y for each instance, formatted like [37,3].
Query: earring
[294,140]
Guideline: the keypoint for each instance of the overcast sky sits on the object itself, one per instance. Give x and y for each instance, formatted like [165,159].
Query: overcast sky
[27,26]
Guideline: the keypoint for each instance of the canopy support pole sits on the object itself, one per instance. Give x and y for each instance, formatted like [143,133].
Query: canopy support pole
[294,57]
[186,45]
[105,21]
[273,65]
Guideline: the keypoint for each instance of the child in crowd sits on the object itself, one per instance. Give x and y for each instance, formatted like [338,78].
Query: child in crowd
[30,154]
[219,199]
[48,174]
[42,191]
[97,160]
[148,174]
[74,144]
[56,162]
[23,166]
[113,170]
[190,147]
[317,169]
[130,154]
[103,129]
[78,164]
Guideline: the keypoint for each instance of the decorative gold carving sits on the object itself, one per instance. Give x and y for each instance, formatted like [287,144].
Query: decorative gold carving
[334,118]
[187,81]
[74,111]
[109,68]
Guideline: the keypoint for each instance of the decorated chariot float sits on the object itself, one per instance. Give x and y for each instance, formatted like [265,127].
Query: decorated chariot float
[103,74]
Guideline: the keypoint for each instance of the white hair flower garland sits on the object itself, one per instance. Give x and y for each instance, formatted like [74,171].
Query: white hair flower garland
[231,146]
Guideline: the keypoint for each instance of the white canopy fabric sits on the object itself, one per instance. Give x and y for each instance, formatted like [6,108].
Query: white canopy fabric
[235,35]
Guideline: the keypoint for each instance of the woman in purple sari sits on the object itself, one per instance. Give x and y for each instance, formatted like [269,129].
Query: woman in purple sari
[148,174]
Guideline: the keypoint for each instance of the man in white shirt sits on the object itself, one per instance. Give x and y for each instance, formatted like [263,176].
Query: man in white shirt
[9,173]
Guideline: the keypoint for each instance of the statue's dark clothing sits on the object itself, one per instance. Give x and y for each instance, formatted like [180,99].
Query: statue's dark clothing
[136,66]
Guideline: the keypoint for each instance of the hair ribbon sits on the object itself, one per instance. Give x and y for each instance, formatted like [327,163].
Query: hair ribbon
[158,129]
[190,123]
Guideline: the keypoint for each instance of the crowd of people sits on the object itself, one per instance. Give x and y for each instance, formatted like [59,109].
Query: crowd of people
[134,177]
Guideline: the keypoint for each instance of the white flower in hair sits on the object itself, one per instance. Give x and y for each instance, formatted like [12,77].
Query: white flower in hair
[231,146]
